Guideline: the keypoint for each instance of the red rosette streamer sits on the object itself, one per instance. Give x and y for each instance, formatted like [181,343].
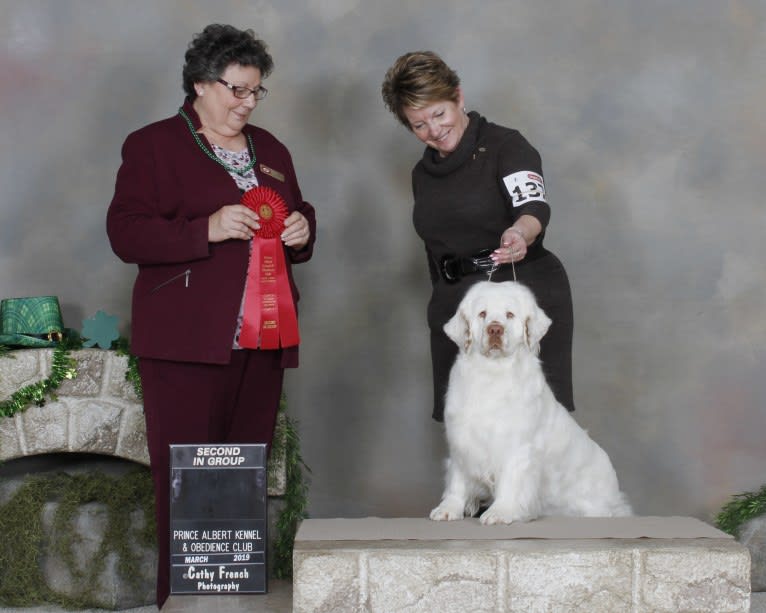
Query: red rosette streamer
[269,320]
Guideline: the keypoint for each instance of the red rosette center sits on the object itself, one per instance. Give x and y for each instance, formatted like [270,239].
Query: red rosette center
[271,209]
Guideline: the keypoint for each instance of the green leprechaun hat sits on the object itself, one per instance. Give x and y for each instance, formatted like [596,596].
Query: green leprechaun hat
[31,322]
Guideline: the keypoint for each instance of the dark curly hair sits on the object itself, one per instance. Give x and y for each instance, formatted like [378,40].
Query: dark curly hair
[218,46]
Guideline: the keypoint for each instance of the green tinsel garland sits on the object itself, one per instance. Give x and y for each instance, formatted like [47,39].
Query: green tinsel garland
[740,509]
[122,347]
[62,367]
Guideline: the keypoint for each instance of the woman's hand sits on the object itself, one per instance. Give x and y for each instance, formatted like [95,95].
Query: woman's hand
[513,247]
[296,233]
[232,221]
[514,241]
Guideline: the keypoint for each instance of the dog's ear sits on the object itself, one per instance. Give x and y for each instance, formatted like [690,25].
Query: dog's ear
[535,327]
[459,330]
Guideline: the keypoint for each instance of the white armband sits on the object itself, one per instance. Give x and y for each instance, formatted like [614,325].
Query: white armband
[525,185]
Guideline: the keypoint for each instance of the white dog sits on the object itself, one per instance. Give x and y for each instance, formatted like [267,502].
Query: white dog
[509,439]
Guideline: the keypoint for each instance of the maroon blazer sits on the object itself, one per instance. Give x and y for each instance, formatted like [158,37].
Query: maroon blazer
[188,291]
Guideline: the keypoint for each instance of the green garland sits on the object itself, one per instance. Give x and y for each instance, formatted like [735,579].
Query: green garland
[132,375]
[62,367]
[740,509]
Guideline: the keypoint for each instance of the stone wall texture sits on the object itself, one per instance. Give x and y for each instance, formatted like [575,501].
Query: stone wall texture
[96,412]
[524,576]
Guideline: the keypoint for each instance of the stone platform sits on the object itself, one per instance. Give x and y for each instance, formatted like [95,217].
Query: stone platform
[631,565]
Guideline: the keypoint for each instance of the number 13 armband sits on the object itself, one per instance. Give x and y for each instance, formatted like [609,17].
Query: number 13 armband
[524,186]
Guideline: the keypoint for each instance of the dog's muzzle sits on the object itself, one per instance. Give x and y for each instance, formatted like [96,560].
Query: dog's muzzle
[495,332]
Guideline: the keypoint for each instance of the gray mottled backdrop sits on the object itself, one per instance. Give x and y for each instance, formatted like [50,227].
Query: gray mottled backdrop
[650,120]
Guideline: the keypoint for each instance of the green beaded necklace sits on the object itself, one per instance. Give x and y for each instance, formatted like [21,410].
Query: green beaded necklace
[213,156]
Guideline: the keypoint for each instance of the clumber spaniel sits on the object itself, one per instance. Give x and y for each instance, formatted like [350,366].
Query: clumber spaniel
[509,439]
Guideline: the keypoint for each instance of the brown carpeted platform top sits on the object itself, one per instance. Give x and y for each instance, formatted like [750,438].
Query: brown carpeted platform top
[422,529]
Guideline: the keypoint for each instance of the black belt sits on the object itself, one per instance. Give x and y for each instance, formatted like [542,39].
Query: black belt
[453,268]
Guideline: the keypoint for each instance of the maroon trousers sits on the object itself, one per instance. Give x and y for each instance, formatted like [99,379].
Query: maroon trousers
[194,403]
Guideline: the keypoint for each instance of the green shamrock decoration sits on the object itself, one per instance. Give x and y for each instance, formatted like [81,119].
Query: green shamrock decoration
[101,330]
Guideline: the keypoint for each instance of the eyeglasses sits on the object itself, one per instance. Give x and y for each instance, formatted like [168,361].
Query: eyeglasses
[243,92]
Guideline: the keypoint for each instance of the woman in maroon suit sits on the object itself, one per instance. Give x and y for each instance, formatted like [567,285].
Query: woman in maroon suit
[176,214]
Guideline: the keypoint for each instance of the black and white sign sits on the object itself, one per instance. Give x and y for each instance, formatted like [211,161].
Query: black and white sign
[218,506]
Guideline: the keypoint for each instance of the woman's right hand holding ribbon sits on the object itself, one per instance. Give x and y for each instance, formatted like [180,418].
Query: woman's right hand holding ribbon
[232,221]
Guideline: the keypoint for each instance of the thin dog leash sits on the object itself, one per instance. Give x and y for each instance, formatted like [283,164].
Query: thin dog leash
[496,266]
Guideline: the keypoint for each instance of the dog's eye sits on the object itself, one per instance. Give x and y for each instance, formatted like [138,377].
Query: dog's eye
[510,315]
[483,314]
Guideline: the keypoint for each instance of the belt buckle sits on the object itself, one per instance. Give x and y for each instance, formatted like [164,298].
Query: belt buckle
[483,261]
[450,269]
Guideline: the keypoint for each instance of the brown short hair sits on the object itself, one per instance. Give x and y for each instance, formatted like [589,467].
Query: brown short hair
[417,79]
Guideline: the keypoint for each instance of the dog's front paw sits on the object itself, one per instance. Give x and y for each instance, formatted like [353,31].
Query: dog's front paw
[497,515]
[445,512]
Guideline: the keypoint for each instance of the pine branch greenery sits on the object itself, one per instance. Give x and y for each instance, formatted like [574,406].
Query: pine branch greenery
[286,448]
[740,509]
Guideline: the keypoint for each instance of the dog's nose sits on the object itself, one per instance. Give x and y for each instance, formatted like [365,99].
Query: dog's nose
[495,330]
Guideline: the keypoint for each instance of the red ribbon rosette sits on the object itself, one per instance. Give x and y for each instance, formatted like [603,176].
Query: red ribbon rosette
[269,320]
[270,208]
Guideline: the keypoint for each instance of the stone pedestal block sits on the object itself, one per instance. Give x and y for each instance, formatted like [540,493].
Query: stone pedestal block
[380,573]
[753,536]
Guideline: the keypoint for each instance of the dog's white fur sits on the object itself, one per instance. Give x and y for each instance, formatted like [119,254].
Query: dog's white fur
[509,439]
